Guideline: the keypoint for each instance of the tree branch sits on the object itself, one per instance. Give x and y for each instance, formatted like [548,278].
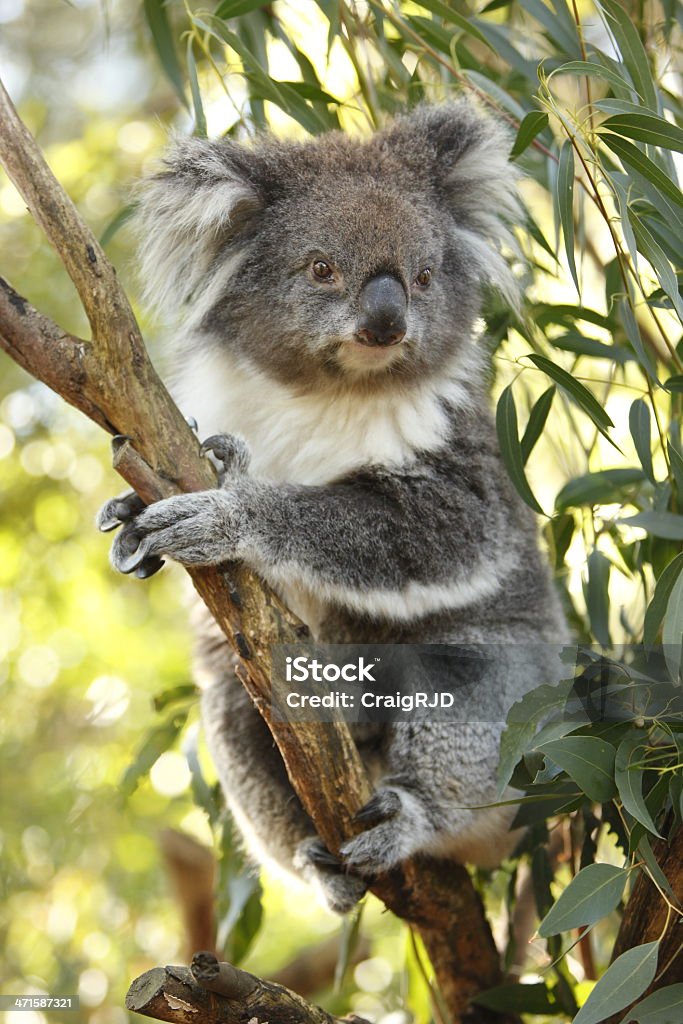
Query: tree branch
[112,380]
[172,994]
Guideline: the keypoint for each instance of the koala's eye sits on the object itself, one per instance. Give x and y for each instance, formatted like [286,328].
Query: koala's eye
[424,278]
[322,270]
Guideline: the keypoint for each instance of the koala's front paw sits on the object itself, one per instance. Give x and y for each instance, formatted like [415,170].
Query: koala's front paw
[340,889]
[115,513]
[397,826]
[194,529]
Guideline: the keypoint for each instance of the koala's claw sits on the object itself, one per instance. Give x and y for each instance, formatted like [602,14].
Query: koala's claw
[398,824]
[381,807]
[315,852]
[119,510]
[232,451]
[341,889]
[149,567]
[192,423]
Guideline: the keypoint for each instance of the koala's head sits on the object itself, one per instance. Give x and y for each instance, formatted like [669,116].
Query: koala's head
[336,260]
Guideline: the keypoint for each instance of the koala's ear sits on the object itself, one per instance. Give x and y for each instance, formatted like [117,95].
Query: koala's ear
[465,156]
[203,197]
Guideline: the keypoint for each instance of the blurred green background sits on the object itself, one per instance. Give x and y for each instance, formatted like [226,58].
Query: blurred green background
[91,771]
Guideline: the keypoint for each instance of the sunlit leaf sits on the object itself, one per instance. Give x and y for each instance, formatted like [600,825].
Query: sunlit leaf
[537,421]
[592,894]
[646,128]
[511,449]
[565,203]
[600,488]
[164,43]
[640,425]
[632,50]
[659,524]
[658,605]
[533,124]
[577,392]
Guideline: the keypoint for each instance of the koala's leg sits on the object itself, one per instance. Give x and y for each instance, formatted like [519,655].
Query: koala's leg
[437,772]
[258,792]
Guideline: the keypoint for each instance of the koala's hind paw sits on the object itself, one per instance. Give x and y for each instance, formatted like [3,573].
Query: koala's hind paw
[341,890]
[399,826]
[229,449]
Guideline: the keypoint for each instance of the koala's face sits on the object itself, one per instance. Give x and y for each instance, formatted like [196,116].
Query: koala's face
[337,261]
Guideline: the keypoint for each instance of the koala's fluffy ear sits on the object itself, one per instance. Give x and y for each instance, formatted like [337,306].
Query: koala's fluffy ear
[201,198]
[464,154]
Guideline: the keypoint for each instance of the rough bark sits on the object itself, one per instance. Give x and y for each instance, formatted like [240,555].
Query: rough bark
[112,380]
[172,994]
[645,918]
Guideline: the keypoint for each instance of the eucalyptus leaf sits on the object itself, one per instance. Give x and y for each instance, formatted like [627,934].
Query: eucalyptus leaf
[629,775]
[646,128]
[640,425]
[621,984]
[592,894]
[565,204]
[536,423]
[511,449]
[665,1006]
[533,124]
[589,761]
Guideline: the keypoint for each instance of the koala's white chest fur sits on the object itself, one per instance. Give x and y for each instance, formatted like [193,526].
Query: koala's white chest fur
[313,439]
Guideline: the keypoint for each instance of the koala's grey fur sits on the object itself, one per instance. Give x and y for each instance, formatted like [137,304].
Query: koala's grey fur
[369,489]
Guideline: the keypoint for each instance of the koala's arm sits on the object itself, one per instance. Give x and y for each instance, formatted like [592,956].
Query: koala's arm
[396,544]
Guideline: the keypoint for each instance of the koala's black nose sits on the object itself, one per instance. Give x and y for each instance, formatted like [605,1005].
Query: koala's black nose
[383,306]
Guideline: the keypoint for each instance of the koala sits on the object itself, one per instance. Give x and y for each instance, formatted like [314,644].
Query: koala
[327,294]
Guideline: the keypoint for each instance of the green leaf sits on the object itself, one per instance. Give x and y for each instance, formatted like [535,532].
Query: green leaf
[164,44]
[640,425]
[117,222]
[561,33]
[235,8]
[665,1006]
[583,346]
[633,157]
[577,392]
[596,594]
[676,460]
[629,777]
[522,722]
[591,70]
[174,695]
[199,117]
[536,423]
[590,896]
[672,629]
[659,524]
[533,998]
[453,17]
[622,983]
[348,944]
[511,449]
[632,50]
[533,124]
[658,605]
[565,204]
[647,853]
[674,384]
[646,128]
[655,255]
[588,760]
[157,742]
[600,488]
